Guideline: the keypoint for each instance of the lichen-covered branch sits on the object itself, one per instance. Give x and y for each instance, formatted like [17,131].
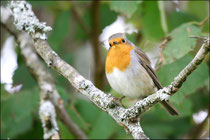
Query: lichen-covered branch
[49,96]
[124,117]
[26,20]
[48,118]
[166,92]
[47,110]
[86,87]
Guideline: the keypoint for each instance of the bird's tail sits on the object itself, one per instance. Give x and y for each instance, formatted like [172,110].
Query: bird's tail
[169,108]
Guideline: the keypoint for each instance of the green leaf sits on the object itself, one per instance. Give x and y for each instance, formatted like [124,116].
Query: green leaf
[106,12]
[200,99]
[157,124]
[158,130]
[151,23]
[23,76]
[198,8]
[180,44]
[176,19]
[126,8]
[196,80]
[88,110]
[17,111]
[78,118]
[60,30]
[132,37]
[70,104]
[120,134]
[65,96]
[104,127]
[64,132]
[185,107]
[36,132]
[101,125]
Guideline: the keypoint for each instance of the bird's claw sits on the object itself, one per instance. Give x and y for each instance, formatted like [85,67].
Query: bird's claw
[120,100]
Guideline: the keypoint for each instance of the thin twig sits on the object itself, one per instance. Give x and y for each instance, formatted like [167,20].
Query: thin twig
[204,21]
[201,23]
[161,59]
[79,19]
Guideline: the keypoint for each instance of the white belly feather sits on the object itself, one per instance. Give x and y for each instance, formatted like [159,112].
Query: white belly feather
[134,82]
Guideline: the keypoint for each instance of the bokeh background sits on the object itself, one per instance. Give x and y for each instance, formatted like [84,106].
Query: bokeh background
[77,26]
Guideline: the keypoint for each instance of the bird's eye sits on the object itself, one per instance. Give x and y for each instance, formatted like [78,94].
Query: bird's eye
[110,44]
[123,40]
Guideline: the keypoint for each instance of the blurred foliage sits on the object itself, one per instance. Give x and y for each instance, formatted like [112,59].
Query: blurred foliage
[20,118]
[60,31]
[180,44]
[126,8]
[23,76]
[196,80]
[18,112]
[151,22]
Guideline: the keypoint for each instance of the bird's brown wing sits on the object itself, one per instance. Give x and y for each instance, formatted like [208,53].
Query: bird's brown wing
[145,62]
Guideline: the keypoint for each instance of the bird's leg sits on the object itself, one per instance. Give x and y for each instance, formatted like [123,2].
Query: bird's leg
[120,100]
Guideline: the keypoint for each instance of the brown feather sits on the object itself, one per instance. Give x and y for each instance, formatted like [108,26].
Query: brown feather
[145,62]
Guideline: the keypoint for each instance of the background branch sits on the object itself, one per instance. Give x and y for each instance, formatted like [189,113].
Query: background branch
[79,19]
[94,35]
[98,64]
[124,117]
[161,59]
[48,92]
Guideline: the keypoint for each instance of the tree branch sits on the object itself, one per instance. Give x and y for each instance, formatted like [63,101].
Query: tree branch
[161,59]
[48,92]
[124,117]
[98,64]
[204,21]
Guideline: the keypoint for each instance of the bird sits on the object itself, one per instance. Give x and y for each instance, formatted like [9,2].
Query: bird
[129,72]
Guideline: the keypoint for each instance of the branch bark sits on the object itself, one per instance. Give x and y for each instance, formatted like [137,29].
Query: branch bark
[128,118]
[49,97]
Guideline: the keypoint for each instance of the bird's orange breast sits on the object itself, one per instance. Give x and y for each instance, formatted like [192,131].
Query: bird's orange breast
[118,57]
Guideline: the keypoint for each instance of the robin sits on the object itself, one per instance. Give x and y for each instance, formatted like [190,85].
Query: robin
[129,72]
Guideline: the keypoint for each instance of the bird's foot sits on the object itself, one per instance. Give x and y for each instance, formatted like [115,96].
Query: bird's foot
[120,100]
